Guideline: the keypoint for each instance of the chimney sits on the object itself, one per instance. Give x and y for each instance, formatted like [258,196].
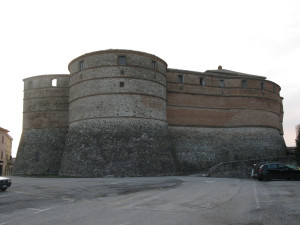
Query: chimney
[219,67]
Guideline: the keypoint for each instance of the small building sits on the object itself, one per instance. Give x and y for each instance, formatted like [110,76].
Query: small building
[5,152]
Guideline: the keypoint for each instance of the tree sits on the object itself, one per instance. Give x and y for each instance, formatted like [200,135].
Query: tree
[297,150]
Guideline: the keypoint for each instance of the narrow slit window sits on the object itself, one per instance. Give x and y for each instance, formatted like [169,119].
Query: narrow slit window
[81,65]
[153,65]
[202,81]
[121,84]
[262,85]
[180,79]
[54,82]
[222,83]
[244,84]
[122,60]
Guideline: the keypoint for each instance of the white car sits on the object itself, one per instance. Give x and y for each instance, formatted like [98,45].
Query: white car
[5,182]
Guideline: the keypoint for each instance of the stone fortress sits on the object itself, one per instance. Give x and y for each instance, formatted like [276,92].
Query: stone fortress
[125,113]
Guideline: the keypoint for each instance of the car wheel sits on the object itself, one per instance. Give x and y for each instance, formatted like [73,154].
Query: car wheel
[3,189]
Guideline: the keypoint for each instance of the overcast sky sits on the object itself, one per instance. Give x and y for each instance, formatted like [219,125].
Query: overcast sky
[256,37]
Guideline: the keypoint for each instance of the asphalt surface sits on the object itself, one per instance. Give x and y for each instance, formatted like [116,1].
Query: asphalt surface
[149,201]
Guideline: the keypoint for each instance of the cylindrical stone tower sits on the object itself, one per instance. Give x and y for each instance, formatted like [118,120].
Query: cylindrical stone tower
[45,124]
[117,117]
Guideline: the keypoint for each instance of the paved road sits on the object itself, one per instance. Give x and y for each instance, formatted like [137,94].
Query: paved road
[149,201]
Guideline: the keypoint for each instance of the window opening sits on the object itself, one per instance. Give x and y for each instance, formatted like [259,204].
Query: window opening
[54,82]
[122,60]
[222,83]
[244,84]
[262,85]
[81,65]
[180,79]
[202,81]
[121,84]
[153,65]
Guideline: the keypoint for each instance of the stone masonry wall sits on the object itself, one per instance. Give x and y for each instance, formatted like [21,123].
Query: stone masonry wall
[117,120]
[45,125]
[198,149]
[124,113]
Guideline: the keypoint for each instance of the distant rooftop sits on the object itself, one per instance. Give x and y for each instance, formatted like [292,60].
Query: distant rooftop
[4,130]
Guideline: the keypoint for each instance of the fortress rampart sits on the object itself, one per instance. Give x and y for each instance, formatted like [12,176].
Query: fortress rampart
[45,124]
[125,113]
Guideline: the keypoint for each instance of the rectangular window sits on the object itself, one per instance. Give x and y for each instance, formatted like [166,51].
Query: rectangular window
[2,139]
[122,60]
[202,81]
[222,83]
[244,84]
[274,88]
[81,65]
[153,65]
[180,79]
[1,155]
[262,85]
[121,84]
[54,82]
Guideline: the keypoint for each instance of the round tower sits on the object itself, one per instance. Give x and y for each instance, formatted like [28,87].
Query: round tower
[117,117]
[45,124]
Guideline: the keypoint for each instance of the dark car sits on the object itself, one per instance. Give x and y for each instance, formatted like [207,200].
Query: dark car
[256,168]
[5,182]
[271,171]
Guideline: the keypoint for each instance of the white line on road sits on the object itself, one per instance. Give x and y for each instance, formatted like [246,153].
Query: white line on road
[5,196]
[255,196]
[30,214]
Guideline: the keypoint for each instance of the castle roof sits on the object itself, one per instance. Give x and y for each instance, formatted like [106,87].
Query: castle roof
[221,71]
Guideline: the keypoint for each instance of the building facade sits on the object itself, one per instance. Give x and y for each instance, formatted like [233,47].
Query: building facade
[5,152]
[125,113]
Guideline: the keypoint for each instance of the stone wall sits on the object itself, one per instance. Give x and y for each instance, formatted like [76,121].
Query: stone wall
[197,149]
[45,124]
[210,123]
[124,113]
[117,122]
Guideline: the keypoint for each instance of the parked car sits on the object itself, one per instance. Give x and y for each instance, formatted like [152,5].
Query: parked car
[256,168]
[5,182]
[271,171]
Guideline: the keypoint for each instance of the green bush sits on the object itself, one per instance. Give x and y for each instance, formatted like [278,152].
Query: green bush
[297,150]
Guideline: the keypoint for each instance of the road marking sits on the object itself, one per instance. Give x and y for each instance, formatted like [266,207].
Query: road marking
[5,196]
[40,210]
[255,196]
[43,210]
[210,181]
[30,214]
